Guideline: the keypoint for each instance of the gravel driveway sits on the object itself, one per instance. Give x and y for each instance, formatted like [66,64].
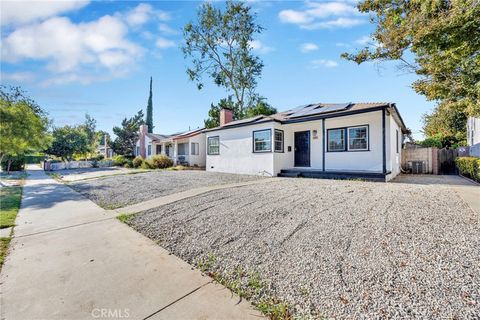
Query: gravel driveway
[119,191]
[337,249]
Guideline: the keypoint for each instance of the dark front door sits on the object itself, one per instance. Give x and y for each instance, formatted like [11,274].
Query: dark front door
[302,149]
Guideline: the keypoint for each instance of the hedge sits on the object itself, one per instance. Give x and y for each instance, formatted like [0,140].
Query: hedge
[469,167]
[17,163]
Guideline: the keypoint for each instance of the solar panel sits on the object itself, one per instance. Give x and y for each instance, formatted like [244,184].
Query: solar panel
[319,109]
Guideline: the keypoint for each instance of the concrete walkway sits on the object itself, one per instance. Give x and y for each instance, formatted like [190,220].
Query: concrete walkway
[70,259]
[160,201]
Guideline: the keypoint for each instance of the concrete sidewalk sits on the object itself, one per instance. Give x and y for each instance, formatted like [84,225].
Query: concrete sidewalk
[70,259]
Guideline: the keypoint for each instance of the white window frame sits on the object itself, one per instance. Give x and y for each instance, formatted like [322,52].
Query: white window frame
[344,140]
[194,149]
[149,150]
[217,138]
[185,150]
[366,138]
[255,143]
[281,141]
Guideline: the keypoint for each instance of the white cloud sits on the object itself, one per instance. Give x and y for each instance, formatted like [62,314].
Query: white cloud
[67,46]
[324,63]
[21,12]
[17,76]
[308,47]
[164,43]
[139,15]
[165,28]
[143,13]
[323,15]
[296,17]
[260,47]
[363,40]
[367,41]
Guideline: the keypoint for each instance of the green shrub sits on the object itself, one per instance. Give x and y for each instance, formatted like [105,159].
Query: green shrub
[147,164]
[34,159]
[137,162]
[161,162]
[17,163]
[119,161]
[128,163]
[469,167]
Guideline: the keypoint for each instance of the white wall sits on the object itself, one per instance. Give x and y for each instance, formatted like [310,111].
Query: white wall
[148,142]
[394,159]
[286,160]
[236,152]
[371,160]
[199,159]
[473,131]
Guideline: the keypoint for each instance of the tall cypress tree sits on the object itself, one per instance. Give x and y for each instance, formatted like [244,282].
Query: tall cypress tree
[149,120]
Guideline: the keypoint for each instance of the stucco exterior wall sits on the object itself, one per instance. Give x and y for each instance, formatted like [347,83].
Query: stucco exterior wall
[148,142]
[198,160]
[286,160]
[370,160]
[394,158]
[236,152]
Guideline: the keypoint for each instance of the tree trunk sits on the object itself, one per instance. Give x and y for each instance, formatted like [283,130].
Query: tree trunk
[9,163]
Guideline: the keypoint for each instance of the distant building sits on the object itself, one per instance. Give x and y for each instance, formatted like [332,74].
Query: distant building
[473,136]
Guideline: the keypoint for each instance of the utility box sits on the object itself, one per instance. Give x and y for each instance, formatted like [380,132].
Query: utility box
[417,167]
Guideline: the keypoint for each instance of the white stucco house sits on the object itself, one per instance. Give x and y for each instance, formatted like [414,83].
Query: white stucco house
[473,136]
[186,148]
[317,140]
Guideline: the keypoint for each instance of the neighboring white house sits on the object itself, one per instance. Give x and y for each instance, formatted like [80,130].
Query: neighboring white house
[187,148]
[473,136]
[318,140]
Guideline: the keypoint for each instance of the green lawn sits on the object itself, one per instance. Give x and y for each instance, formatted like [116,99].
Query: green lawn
[9,204]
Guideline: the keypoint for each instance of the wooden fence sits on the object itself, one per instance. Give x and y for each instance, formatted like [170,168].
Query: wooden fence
[429,160]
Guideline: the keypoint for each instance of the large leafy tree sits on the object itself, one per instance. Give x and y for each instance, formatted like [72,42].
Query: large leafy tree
[127,135]
[23,124]
[89,127]
[219,46]
[68,141]
[261,107]
[439,41]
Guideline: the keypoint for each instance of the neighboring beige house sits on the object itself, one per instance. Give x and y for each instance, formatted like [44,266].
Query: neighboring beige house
[185,148]
[316,140]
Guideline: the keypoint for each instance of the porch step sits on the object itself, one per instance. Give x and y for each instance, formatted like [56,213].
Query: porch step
[318,174]
[289,174]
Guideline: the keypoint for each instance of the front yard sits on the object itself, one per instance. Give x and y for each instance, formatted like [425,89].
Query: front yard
[122,190]
[324,248]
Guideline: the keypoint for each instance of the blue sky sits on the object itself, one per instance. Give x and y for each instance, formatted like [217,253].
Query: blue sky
[82,57]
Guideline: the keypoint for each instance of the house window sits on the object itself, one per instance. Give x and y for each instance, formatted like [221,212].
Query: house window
[278,140]
[149,150]
[137,151]
[195,149]
[183,149]
[262,141]
[336,140]
[158,149]
[358,138]
[397,141]
[213,145]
